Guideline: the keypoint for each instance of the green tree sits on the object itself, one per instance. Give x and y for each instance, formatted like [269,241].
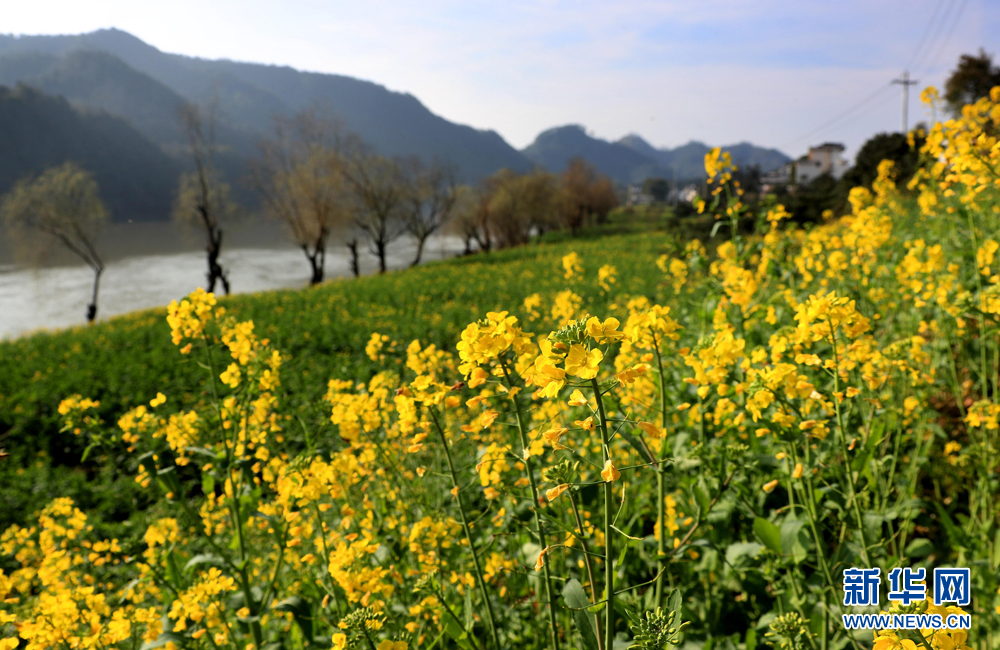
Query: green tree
[884,146]
[973,79]
[657,188]
[61,205]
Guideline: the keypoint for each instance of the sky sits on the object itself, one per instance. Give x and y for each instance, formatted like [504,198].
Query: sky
[774,73]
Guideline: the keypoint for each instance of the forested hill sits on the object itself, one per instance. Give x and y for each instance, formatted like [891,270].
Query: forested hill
[130,92]
[137,179]
[115,71]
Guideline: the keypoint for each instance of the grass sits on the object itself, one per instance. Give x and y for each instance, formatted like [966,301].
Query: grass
[323,330]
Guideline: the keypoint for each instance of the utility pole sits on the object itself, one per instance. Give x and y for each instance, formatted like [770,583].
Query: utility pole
[906,83]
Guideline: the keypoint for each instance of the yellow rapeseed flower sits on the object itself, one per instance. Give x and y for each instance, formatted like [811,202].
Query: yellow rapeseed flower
[610,472]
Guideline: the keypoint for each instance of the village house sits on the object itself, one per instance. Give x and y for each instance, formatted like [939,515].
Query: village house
[826,158]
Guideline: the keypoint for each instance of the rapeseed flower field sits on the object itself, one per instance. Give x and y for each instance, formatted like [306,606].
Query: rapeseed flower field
[666,446]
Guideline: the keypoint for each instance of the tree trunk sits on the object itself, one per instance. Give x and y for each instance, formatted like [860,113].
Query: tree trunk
[353,247]
[317,269]
[215,271]
[92,307]
[380,249]
[420,251]
[468,245]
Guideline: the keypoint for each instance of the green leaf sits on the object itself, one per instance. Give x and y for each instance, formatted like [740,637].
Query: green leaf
[816,618]
[954,535]
[794,539]
[674,603]
[872,522]
[204,558]
[207,483]
[301,612]
[173,572]
[621,555]
[637,445]
[701,496]
[918,548]
[736,552]
[455,631]
[164,639]
[576,599]
[768,533]
[469,618]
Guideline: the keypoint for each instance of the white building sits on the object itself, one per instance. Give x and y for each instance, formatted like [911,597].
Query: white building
[827,158]
[688,194]
[636,196]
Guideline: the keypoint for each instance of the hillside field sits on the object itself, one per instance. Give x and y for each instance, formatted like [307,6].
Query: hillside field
[636,440]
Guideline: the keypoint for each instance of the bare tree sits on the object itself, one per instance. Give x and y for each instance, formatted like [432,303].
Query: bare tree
[603,198]
[300,179]
[379,189]
[507,213]
[506,209]
[576,182]
[472,218]
[62,204]
[539,201]
[428,202]
[465,222]
[585,195]
[203,199]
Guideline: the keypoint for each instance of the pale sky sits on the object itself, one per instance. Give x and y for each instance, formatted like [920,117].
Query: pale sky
[775,73]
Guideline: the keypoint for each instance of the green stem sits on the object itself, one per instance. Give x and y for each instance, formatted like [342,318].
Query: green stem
[661,515]
[447,608]
[809,500]
[609,560]
[258,636]
[590,571]
[843,446]
[525,444]
[468,532]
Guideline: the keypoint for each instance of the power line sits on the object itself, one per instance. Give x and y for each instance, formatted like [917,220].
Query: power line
[840,117]
[923,37]
[934,29]
[939,28]
[947,38]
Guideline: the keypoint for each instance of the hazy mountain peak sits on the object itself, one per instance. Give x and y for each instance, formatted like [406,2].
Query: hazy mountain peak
[632,158]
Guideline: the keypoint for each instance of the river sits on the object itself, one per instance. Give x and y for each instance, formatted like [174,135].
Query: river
[55,298]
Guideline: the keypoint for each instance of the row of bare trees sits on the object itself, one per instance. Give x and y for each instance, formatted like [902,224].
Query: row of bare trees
[508,208]
[321,182]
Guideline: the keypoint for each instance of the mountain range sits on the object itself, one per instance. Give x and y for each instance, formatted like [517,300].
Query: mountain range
[130,93]
[632,159]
